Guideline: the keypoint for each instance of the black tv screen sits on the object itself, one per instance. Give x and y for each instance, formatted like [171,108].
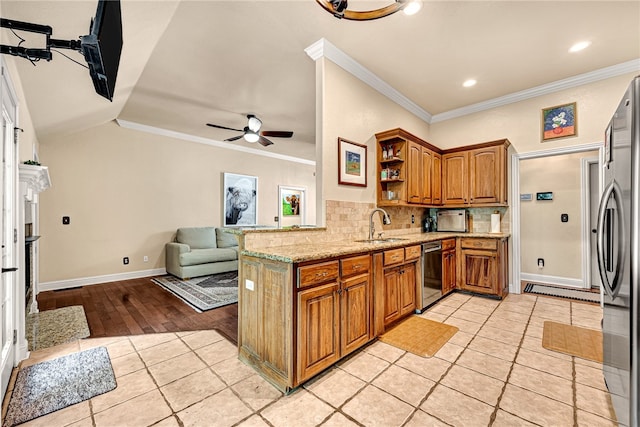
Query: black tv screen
[102,47]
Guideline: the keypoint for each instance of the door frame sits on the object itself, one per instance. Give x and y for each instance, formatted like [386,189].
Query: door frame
[514,287]
[585,198]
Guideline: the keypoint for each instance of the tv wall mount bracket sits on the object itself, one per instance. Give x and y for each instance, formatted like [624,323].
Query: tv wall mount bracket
[31,53]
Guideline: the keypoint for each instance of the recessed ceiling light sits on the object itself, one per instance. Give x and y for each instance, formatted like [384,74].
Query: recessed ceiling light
[412,7]
[469,83]
[579,46]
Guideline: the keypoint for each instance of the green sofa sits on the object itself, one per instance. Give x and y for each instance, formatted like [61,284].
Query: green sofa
[200,251]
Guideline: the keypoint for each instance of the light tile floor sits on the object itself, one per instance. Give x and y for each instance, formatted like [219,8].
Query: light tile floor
[493,372]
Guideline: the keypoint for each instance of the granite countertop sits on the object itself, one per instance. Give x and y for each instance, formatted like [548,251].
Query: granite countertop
[270,229]
[317,251]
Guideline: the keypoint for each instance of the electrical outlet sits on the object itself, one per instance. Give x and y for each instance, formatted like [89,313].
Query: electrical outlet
[145,258]
[66,220]
[275,219]
[413,219]
[125,260]
[540,262]
[564,217]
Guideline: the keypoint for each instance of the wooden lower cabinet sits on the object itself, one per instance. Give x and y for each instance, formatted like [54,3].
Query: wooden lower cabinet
[484,266]
[318,329]
[448,271]
[399,292]
[355,304]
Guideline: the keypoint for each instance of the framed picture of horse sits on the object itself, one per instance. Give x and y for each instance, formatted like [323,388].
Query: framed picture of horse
[240,200]
[292,206]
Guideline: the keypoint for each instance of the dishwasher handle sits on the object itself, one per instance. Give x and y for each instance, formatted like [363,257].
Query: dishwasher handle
[431,247]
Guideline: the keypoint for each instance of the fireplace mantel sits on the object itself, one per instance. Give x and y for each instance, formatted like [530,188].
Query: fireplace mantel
[36,178]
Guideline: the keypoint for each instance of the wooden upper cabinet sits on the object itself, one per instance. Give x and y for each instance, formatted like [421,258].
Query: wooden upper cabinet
[476,176]
[455,178]
[436,179]
[485,170]
[414,185]
[427,176]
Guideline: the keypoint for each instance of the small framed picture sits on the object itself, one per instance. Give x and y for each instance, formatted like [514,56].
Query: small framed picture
[352,163]
[292,204]
[240,200]
[559,121]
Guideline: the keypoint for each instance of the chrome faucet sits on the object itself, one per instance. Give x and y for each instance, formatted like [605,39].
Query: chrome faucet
[385,220]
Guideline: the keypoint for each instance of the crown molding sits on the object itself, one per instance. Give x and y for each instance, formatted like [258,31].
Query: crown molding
[212,142]
[580,79]
[36,177]
[324,48]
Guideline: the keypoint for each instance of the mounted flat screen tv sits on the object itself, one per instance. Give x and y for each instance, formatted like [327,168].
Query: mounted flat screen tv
[102,47]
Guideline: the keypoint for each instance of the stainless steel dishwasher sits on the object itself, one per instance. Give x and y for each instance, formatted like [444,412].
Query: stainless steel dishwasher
[431,273]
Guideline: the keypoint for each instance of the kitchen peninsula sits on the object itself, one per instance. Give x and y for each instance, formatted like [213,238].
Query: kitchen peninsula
[304,306]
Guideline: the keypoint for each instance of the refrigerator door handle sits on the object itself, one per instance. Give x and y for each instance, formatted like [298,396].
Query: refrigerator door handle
[611,287]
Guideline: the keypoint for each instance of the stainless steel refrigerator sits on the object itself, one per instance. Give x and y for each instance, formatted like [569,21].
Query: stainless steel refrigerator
[617,246]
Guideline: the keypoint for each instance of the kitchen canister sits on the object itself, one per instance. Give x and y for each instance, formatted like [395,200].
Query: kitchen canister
[495,222]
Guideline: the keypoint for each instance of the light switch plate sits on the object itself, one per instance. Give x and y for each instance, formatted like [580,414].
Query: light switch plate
[249,284]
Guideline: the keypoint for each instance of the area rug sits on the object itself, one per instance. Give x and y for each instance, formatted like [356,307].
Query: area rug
[572,340]
[54,327]
[577,294]
[419,336]
[203,293]
[55,384]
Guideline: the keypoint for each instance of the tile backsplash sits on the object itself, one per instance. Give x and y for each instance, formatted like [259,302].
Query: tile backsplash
[348,221]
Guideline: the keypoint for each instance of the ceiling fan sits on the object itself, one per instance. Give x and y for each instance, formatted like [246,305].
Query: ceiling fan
[252,133]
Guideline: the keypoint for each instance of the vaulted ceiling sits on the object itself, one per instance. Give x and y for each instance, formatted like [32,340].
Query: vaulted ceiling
[186,63]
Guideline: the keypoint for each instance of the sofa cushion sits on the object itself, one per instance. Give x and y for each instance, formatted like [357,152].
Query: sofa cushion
[197,237]
[225,240]
[204,256]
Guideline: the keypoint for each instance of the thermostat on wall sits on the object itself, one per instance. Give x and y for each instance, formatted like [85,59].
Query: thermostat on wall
[544,196]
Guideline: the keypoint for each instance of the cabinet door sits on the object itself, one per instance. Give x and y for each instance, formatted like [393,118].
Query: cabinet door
[448,271]
[414,178]
[436,179]
[485,173]
[407,289]
[455,178]
[391,295]
[427,170]
[480,271]
[318,328]
[355,324]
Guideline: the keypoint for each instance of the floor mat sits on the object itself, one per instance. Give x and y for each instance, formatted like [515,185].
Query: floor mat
[203,293]
[419,336]
[53,327]
[573,340]
[577,294]
[55,384]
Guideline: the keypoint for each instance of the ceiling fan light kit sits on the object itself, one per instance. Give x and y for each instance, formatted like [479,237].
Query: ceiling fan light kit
[338,8]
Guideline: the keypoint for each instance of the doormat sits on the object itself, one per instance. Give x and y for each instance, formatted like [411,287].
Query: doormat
[578,294]
[203,293]
[54,327]
[419,336]
[573,340]
[55,384]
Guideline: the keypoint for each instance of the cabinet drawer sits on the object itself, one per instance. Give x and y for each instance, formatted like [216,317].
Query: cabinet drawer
[393,256]
[448,244]
[317,273]
[490,244]
[412,252]
[354,265]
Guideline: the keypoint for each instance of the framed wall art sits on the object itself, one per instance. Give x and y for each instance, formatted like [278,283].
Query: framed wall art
[559,121]
[352,163]
[292,206]
[240,195]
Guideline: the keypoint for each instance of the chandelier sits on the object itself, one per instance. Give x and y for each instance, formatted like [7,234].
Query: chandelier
[338,8]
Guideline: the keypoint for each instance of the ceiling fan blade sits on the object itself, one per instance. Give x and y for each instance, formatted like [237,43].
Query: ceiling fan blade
[277,133]
[264,141]
[223,127]
[235,138]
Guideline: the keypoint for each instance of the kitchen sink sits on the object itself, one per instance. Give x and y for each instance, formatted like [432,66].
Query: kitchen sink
[385,240]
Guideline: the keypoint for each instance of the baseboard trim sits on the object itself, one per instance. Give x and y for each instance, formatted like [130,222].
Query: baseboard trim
[96,280]
[552,280]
